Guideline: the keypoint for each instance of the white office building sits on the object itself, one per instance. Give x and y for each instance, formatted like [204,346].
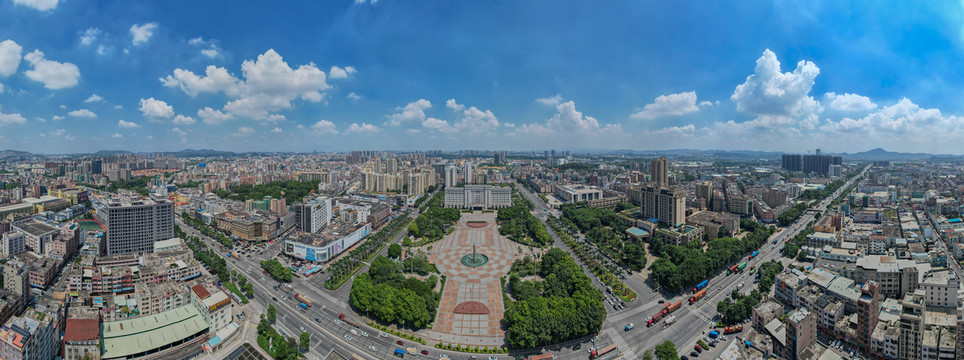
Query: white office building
[478,197]
[133,225]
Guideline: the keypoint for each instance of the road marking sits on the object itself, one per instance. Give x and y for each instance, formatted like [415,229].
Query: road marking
[622,345]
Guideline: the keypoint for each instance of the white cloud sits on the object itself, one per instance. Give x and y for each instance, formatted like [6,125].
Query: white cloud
[82,113]
[103,49]
[117,136]
[183,120]
[353,96]
[8,119]
[269,85]
[54,75]
[127,124]
[89,36]
[849,102]
[179,132]
[414,112]
[323,127]
[42,5]
[277,130]
[140,34]
[10,53]
[770,92]
[156,109]
[211,116]
[451,104]
[669,105]
[550,101]
[413,131]
[361,2]
[94,98]
[216,79]
[363,128]
[706,103]
[150,137]
[244,131]
[118,107]
[1,88]
[341,73]
[509,125]
[57,117]
[569,120]
[209,48]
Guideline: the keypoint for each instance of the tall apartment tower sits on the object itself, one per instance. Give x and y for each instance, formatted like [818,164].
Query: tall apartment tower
[792,162]
[911,325]
[660,171]
[801,331]
[469,170]
[314,215]
[868,311]
[451,176]
[704,190]
[133,225]
[666,204]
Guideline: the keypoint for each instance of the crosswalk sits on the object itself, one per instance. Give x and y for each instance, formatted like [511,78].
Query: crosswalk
[624,349]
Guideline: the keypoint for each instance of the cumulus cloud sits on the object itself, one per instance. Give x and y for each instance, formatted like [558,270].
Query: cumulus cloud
[89,36]
[117,136]
[140,34]
[183,120]
[211,116]
[569,120]
[42,5]
[451,104]
[550,101]
[324,127]
[127,124]
[10,53]
[849,102]
[82,113]
[353,96]
[277,130]
[94,98]
[244,131]
[57,117]
[8,119]
[215,79]
[54,75]
[669,105]
[363,128]
[414,112]
[362,2]
[269,85]
[768,91]
[341,73]
[155,109]
[179,132]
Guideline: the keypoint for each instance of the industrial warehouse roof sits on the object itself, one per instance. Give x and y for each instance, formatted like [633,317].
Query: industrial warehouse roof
[127,337]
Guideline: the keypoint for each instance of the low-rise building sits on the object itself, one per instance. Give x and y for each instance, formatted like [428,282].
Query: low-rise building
[322,247]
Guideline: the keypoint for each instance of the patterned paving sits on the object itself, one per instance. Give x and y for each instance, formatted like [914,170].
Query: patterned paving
[473,284]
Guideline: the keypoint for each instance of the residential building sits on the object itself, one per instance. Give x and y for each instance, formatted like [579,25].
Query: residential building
[313,215]
[14,243]
[868,307]
[775,198]
[704,190]
[133,225]
[801,332]
[659,168]
[81,339]
[215,305]
[792,162]
[33,335]
[479,197]
[765,312]
[668,205]
[363,211]
[941,289]
[911,325]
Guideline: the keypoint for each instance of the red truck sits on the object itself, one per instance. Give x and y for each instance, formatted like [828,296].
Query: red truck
[655,318]
[348,320]
[696,297]
[672,307]
[597,353]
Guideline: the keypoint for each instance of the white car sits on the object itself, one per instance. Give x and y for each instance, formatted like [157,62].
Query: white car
[347,337]
[372,348]
[364,333]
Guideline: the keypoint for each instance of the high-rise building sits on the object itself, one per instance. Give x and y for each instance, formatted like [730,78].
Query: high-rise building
[660,171]
[792,162]
[911,325]
[451,176]
[704,190]
[133,225]
[668,205]
[775,198]
[801,330]
[314,215]
[468,171]
[868,311]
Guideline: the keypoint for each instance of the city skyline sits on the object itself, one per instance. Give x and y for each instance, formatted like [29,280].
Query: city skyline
[517,76]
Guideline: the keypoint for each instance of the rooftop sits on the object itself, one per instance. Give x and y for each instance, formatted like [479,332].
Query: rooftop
[82,330]
[35,228]
[333,232]
[127,337]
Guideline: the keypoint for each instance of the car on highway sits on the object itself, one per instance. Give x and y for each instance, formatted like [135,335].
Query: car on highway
[303,329]
[274,298]
[347,337]
[372,348]
[364,333]
[383,334]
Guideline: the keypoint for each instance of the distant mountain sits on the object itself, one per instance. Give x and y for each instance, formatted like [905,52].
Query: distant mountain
[881,154]
[14,153]
[202,153]
[110,152]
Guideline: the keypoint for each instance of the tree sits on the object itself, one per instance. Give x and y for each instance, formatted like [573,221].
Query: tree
[394,251]
[802,256]
[666,351]
[648,355]
[272,313]
[304,341]
[634,256]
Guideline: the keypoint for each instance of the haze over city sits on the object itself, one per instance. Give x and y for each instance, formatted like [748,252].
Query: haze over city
[240,76]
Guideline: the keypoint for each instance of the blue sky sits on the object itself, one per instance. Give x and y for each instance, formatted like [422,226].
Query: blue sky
[521,75]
